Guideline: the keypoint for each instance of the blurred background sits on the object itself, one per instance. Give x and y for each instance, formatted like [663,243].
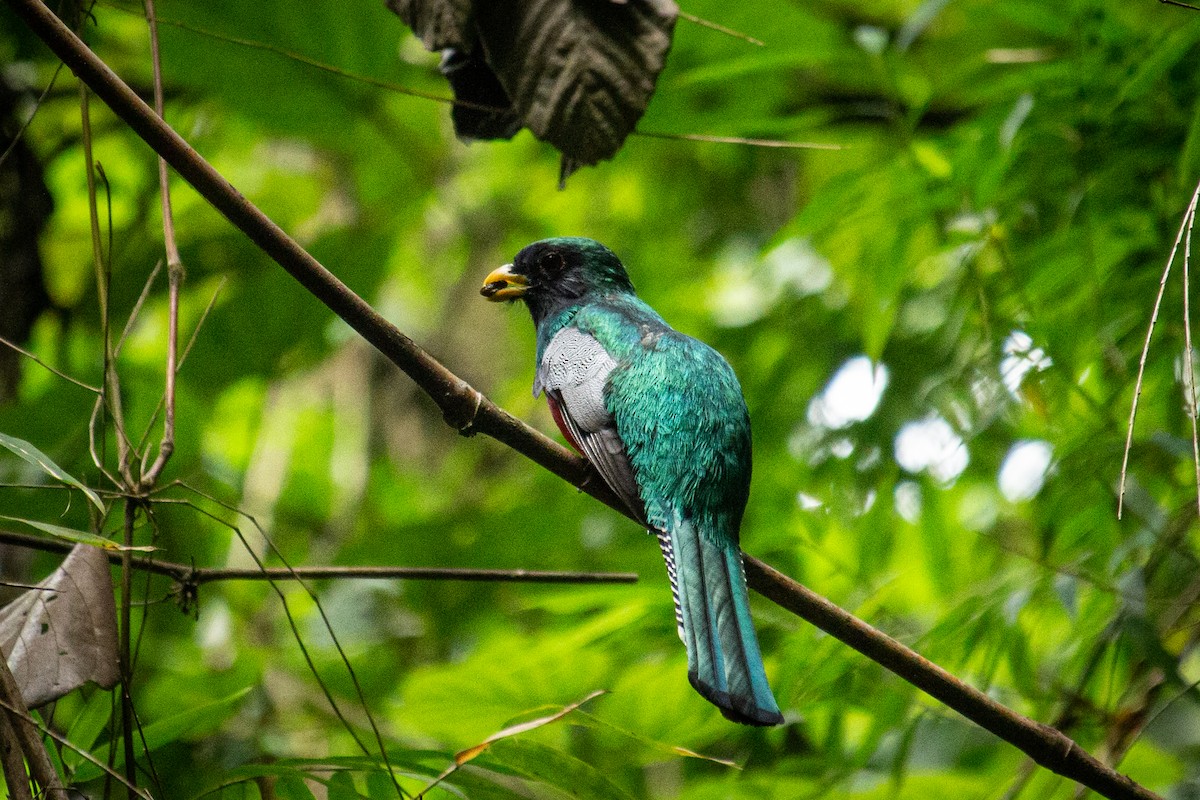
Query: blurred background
[937,328]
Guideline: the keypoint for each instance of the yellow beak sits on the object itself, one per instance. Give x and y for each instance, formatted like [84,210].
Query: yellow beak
[504,284]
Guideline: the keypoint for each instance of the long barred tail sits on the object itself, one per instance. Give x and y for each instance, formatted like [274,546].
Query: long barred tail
[712,610]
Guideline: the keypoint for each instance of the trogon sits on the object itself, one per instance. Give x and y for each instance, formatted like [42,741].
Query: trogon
[662,418]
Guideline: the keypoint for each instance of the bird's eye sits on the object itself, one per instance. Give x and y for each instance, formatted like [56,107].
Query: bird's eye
[551,263]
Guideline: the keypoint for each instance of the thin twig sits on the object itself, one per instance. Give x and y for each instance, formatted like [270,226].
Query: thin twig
[36,106]
[1137,387]
[346,662]
[46,366]
[30,587]
[152,769]
[413,573]
[136,311]
[164,184]
[300,58]
[93,426]
[126,650]
[467,411]
[1188,6]
[704,23]
[174,274]
[62,740]
[166,446]
[188,575]
[54,487]
[115,391]
[1189,368]
[112,393]
[704,137]
[104,399]
[212,301]
[312,667]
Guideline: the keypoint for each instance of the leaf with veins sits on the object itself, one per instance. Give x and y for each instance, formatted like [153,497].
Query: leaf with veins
[62,633]
[42,461]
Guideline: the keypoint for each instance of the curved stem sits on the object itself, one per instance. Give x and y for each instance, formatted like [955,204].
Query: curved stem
[174,275]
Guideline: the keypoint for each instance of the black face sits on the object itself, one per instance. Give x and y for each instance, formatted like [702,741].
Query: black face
[555,273]
[544,263]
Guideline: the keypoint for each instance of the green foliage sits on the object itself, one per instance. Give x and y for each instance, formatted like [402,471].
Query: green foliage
[37,458]
[992,231]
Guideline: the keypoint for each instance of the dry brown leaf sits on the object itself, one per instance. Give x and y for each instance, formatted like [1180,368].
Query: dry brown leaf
[62,633]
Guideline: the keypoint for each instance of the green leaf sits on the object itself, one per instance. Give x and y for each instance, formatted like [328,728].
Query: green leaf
[632,740]
[77,536]
[191,722]
[379,785]
[42,461]
[1166,54]
[292,786]
[470,753]
[55,759]
[340,786]
[555,768]
[86,727]
[1189,157]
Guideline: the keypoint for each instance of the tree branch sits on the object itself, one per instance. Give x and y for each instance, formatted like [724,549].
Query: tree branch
[189,576]
[1048,746]
[12,705]
[470,412]
[15,778]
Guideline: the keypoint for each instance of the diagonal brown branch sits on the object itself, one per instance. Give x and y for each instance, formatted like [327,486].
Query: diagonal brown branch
[27,736]
[15,778]
[470,412]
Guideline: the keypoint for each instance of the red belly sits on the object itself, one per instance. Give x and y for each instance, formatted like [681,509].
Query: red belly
[556,412]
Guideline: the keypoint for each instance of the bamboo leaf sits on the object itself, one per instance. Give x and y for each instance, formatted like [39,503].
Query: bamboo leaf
[471,753]
[43,462]
[77,536]
[87,727]
[191,722]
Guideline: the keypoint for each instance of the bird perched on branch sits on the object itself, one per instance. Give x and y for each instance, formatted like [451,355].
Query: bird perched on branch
[661,417]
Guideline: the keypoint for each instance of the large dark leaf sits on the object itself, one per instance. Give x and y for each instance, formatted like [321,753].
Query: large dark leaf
[577,74]
[484,110]
[440,24]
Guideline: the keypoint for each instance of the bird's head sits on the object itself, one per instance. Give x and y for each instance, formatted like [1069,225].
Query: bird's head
[555,273]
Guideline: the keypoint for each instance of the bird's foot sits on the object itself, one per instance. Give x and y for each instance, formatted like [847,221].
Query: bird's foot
[467,427]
